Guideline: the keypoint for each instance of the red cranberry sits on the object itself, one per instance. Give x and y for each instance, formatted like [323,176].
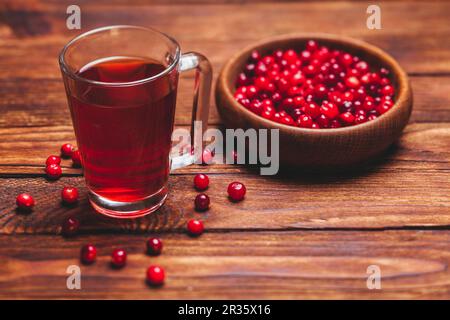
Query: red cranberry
[346,59]
[154,246]
[360,119]
[330,110]
[323,121]
[347,117]
[70,226]
[53,171]
[201,181]
[242,79]
[268,113]
[195,227]
[335,124]
[312,109]
[304,121]
[287,120]
[53,160]
[362,66]
[118,258]
[69,195]
[383,108]
[25,202]
[88,254]
[66,150]
[201,202]
[352,82]
[290,56]
[236,191]
[155,276]
[255,56]
[312,45]
[387,90]
[207,156]
[76,158]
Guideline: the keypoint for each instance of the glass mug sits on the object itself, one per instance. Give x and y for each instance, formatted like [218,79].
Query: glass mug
[121,85]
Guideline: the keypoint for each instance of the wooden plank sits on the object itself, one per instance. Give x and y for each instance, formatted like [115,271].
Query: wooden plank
[379,198]
[263,265]
[220,30]
[33,102]
[42,102]
[423,146]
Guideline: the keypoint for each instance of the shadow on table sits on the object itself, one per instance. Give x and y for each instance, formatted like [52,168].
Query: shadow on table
[332,174]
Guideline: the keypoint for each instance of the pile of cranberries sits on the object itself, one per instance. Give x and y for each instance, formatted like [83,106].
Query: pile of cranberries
[316,88]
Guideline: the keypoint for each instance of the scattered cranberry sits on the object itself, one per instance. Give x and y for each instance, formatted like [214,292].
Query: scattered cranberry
[207,156]
[155,275]
[70,227]
[154,246]
[201,181]
[118,258]
[88,254]
[76,158]
[25,202]
[195,227]
[201,202]
[315,88]
[69,195]
[53,171]
[236,191]
[66,150]
[53,160]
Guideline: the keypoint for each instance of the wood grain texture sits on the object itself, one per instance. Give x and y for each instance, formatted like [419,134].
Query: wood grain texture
[42,102]
[397,199]
[422,146]
[297,235]
[226,28]
[242,265]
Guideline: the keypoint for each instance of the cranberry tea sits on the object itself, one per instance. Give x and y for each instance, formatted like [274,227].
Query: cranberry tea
[121,84]
[131,162]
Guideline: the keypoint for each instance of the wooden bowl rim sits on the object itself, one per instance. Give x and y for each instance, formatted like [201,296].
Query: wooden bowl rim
[404,89]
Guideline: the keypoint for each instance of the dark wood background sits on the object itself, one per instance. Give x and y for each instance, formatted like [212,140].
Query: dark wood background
[306,235]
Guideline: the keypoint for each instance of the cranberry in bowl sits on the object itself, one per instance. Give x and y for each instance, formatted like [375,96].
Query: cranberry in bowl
[335,100]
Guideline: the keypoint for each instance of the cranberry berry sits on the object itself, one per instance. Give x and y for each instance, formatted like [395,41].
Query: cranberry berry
[53,160]
[76,158]
[66,150]
[25,202]
[69,195]
[201,202]
[154,246]
[53,171]
[70,227]
[236,191]
[118,258]
[88,254]
[155,276]
[201,181]
[195,227]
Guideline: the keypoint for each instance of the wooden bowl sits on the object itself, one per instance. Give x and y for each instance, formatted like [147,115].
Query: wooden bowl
[321,147]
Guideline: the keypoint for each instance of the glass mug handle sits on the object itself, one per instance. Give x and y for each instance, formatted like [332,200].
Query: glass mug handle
[200,108]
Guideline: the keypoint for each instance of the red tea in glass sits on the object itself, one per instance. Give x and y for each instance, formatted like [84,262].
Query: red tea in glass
[121,84]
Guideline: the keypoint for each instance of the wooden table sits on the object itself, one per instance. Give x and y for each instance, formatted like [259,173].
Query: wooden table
[306,236]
